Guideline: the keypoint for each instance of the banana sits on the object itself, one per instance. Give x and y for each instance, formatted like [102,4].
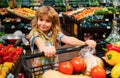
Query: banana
[115,72]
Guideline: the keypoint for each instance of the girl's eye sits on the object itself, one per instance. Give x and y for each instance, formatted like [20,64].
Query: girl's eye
[41,19]
[47,21]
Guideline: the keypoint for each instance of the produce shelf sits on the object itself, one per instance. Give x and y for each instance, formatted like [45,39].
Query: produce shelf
[20,15]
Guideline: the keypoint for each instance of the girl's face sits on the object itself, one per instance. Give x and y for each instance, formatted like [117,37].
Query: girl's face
[44,24]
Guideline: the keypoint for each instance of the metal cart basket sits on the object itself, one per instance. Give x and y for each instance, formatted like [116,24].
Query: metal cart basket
[30,72]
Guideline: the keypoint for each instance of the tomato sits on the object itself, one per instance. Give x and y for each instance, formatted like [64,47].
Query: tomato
[18,50]
[66,67]
[10,48]
[98,72]
[78,64]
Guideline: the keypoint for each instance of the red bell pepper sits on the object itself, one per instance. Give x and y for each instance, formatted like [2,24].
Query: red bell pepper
[113,47]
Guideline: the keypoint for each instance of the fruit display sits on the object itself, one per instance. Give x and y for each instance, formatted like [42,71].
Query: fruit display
[82,12]
[85,13]
[23,12]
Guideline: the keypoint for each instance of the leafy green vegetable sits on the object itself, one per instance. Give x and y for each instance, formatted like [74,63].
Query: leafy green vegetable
[106,10]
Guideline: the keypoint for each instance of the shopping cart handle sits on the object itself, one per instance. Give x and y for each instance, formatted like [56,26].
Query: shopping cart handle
[102,42]
[70,49]
[58,51]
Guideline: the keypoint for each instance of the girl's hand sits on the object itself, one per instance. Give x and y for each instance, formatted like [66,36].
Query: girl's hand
[91,43]
[49,51]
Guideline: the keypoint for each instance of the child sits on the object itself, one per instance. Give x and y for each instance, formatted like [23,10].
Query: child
[46,32]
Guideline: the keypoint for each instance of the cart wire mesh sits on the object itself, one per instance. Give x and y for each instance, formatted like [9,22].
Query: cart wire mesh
[37,71]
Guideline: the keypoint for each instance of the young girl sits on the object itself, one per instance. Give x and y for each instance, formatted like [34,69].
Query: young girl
[46,32]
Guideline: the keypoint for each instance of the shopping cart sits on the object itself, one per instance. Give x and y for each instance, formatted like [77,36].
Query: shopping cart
[30,71]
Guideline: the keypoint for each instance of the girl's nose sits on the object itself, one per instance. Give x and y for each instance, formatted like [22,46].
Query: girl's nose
[43,22]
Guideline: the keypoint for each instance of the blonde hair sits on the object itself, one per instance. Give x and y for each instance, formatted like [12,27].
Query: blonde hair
[54,17]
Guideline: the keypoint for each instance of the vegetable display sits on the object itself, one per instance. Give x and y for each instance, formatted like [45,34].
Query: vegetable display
[105,10]
[8,58]
[5,68]
[23,12]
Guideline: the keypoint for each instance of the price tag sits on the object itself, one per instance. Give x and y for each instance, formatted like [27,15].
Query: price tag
[13,27]
[35,7]
[106,19]
[108,27]
[75,29]
[10,75]
[18,20]
[119,16]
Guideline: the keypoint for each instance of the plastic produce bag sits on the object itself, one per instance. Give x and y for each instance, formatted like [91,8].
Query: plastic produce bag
[113,36]
[88,54]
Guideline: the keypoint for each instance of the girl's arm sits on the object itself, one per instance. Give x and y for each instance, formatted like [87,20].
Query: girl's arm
[39,43]
[76,42]
[48,50]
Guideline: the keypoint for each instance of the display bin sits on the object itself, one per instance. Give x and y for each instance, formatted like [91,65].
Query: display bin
[72,26]
[67,23]
[94,33]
